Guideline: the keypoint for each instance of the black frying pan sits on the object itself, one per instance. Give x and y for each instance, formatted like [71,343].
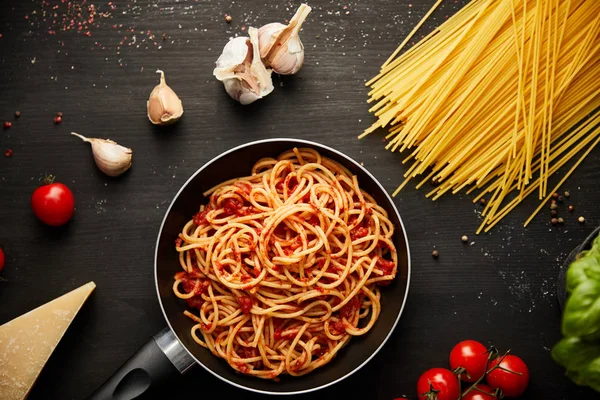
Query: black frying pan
[174,351]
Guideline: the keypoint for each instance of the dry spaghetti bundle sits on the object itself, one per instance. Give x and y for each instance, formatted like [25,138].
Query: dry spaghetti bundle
[497,99]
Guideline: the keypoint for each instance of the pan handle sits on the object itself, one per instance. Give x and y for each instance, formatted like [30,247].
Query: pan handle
[153,365]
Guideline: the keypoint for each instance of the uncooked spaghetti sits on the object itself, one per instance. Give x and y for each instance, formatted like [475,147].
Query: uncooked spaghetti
[488,100]
[283,267]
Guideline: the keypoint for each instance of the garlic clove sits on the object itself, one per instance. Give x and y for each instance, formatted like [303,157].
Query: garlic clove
[280,45]
[110,157]
[241,70]
[164,107]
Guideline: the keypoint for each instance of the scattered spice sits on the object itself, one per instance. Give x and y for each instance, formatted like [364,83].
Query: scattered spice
[8,153]
[7,125]
[464,238]
[567,194]
[553,206]
[555,195]
[561,221]
[482,201]
[17,114]
[228,18]
[435,253]
[164,36]
[553,213]
[59,114]
[571,208]
[560,199]
[57,120]
[581,220]
[554,221]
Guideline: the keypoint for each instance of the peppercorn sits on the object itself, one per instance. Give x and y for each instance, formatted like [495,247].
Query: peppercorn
[464,238]
[567,194]
[7,125]
[482,201]
[59,114]
[228,18]
[571,208]
[17,114]
[554,221]
[561,221]
[57,120]
[553,206]
[435,253]
[560,199]
[555,195]
[554,213]
[433,182]
[581,220]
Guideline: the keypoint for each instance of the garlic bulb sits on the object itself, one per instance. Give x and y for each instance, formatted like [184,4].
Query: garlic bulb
[164,107]
[110,157]
[280,45]
[241,70]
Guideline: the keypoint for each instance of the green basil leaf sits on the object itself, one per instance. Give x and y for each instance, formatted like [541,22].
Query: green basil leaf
[586,266]
[583,269]
[590,375]
[582,312]
[574,354]
[575,377]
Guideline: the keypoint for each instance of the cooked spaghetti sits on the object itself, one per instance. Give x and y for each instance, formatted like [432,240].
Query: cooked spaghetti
[488,100]
[283,267]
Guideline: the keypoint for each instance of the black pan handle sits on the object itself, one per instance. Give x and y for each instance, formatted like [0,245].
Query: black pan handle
[150,368]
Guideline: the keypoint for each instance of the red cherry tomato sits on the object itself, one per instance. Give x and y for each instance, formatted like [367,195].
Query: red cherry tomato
[53,204]
[472,356]
[512,384]
[481,394]
[439,379]
[1,259]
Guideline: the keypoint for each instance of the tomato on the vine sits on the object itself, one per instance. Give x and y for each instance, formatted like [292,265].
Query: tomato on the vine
[512,384]
[472,356]
[53,204]
[484,393]
[442,381]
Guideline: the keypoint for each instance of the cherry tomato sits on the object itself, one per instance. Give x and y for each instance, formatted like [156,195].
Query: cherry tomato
[479,395]
[53,204]
[512,385]
[472,356]
[1,259]
[439,379]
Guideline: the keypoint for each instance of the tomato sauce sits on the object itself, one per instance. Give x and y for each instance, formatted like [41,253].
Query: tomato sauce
[348,310]
[386,266]
[200,218]
[245,303]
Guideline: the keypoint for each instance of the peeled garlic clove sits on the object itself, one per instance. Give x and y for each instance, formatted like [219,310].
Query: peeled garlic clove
[280,45]
[241,70]
[110,157]
[164,107]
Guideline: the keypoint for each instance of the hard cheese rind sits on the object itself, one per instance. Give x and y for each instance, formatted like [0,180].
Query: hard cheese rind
[27,342]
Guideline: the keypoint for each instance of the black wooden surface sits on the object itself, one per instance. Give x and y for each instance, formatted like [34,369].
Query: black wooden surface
[498,289]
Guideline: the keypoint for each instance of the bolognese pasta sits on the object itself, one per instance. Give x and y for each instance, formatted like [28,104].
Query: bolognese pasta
[283,267]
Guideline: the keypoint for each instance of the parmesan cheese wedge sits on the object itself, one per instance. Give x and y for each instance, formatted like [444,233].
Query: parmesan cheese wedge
[27,341]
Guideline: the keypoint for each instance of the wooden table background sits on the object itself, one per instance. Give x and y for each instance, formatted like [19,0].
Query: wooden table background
[498,289]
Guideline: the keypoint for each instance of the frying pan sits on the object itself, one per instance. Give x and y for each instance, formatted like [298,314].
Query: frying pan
[173,351]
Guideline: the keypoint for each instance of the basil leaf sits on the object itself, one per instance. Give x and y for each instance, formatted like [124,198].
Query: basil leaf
[582,312]
[575,377]
[583,269]
[590,375]
[586,266]
[575,354]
